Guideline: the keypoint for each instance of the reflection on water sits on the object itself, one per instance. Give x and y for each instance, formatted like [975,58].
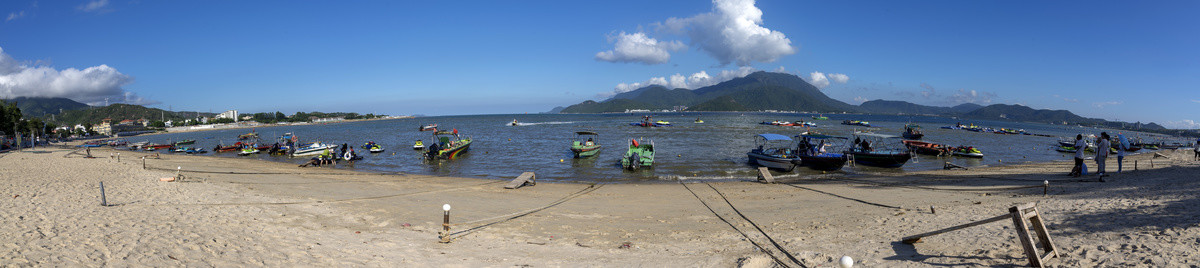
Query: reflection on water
[713,150]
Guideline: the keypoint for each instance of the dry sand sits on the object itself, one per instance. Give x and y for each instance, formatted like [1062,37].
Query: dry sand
[233,212]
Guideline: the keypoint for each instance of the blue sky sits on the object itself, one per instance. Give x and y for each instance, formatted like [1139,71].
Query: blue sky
[1114,60]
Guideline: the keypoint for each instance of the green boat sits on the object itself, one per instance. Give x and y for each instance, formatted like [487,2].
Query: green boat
[185,142]
[585,148]
[639,155]
[448,145]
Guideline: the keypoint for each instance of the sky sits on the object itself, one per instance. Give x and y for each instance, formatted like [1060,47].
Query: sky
[1116,60]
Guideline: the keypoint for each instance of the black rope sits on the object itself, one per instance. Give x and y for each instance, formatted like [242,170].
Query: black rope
[760,230]
[843,197]
[748,238]
[589,189]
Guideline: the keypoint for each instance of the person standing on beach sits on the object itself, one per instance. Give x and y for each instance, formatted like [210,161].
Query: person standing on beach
[1121,151]
[1080,146]
[1102,147]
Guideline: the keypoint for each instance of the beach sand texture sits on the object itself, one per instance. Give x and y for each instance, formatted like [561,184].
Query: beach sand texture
[231,212]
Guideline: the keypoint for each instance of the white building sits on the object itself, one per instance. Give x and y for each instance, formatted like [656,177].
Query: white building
[231,114]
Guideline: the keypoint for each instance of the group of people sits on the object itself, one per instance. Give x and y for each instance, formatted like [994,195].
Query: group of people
[1103,143]
[327,158]
[861,145]
[807,148]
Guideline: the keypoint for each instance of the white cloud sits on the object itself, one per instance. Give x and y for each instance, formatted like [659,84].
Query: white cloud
[839,78]
[821,80]
[971,96]
[638,47]
[1196,101]
[94,6]
[818,79]
[860,99]
[1107,103]
[696,80]
[732,33]
[91,85]
[1182,124]
[15,15]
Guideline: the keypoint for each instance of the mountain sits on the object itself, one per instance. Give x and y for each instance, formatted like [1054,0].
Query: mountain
[754,92]
[557,109]
[37,106]
[902,107]
[120,111]
[1015,112]
[965,108]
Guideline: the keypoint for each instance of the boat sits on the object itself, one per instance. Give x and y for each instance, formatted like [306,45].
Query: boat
[966,151]
[248,151]
[925,148]
[247,136]
[662,123]
[856,123]
[222,148]
[136,145]
[419,145]
[821,117]
[195,151]
[698,121]
[152,147]
[181,149]
[638,156]
[864,154]
[447,145]
[373,147]
[262,147]
[585,148]
[185,142]
[514,123]
[773,151]
[313,148]
[912,132]
[429,127]
[1065,149]
[815,158]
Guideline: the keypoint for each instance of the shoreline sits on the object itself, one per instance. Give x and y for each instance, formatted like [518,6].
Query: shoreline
[346,217]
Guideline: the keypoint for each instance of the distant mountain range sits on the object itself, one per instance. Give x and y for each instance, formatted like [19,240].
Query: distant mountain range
[121,111]
[786,91]
[37,107]
[761,91]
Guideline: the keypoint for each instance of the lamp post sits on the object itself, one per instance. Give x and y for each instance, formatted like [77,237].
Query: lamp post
[446,223]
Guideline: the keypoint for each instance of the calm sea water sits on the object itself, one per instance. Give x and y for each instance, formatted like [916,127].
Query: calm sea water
[714,150]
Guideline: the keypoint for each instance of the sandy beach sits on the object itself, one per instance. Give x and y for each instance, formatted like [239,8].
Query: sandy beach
[232,212]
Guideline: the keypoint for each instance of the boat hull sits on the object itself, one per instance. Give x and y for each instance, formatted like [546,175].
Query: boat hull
[771,161]
[451,153]
[585,151]
[883,160]
[638,157]
[823,162]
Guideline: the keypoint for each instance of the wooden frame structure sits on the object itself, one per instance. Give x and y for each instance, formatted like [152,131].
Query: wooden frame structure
[1019,214]
[764,175]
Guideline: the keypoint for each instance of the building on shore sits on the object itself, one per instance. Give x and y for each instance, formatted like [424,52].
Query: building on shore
[231,114]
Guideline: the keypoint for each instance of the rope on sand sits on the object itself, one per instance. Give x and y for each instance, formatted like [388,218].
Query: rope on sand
[271,173]
[945,189]
[843,197]
[515,215]
[760,230]
[744,235]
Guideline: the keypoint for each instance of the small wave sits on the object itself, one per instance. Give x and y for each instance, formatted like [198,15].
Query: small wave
[521,124]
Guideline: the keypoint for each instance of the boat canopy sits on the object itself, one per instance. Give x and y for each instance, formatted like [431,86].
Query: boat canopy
[820,136]
[443,132]
[885,136]
[586,133]
[774,137]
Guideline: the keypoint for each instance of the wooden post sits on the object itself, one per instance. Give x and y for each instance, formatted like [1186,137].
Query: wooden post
[103,199]
[143,162]
[1045,187]
[764,175]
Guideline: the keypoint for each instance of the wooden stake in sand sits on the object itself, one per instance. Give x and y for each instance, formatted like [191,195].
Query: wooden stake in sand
[103,199]
[764,175]
[1018,214]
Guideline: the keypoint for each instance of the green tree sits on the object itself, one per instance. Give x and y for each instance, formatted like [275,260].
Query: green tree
[158,124]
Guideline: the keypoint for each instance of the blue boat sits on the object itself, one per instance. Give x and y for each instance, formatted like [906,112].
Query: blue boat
[773,151]
[813,157]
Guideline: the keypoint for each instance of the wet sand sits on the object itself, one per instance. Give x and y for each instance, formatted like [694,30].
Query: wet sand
[236,212]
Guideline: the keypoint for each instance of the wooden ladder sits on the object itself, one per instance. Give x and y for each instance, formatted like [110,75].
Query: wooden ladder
[1019,215]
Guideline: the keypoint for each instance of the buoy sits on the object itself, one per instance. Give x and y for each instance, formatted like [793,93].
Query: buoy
[846,262]
[509,139]
[560,160]
[679,155]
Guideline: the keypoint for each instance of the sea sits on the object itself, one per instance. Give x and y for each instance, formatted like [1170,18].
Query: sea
[713,150]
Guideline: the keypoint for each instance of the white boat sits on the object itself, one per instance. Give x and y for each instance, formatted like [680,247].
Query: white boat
[313,149]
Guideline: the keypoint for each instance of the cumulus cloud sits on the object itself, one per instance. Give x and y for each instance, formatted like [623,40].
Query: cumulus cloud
[1182,124]
[693,81]
[1196,101]
[91,85]
[94,6]
[732,33]
[971,96]
[1106,103]
[638,47]
[821,80]
[860,99]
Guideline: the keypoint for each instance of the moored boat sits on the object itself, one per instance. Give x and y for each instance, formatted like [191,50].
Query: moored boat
[248,151]
[185,142]
[773,151]
[447,145]
[428,127]
[966,151]
[638,155]
[925,148]
[816,157]
[912,132]
[863,154]
[418,145]
[856,123]
[585,148]
[313,148]
[247,136]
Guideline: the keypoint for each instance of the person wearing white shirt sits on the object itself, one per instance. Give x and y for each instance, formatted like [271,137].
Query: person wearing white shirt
[1102,147]
[1080,146]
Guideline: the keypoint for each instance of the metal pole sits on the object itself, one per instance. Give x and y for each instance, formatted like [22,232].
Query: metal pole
[1045,187]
